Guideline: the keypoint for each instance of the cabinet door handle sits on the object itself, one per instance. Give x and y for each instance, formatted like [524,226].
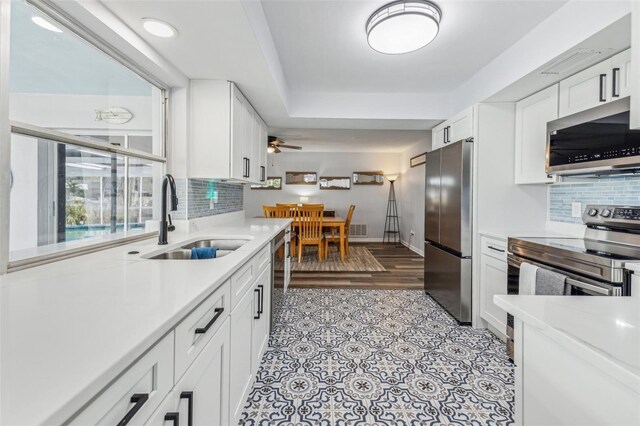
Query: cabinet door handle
[261,287]
[218,312]
[603,95]
[614,83]
[138,400]
[248,167]
[172,417]
[258,312]
[448,134]
[495,249]
[188,395]
[444,134]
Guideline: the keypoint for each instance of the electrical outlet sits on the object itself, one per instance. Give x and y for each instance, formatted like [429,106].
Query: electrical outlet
[576,209]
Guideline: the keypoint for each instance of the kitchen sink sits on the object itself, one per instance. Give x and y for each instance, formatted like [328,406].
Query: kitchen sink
[224,246]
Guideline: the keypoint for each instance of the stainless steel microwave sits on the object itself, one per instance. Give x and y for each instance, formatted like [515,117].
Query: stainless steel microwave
[593,142]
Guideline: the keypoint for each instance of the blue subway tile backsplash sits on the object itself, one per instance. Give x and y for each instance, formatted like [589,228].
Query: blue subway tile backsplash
[195,197]
[623,190]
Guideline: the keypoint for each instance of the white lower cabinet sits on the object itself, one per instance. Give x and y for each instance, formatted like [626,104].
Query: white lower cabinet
[260,333]
[493,280]
[132,398]
[200,397]
[241,368]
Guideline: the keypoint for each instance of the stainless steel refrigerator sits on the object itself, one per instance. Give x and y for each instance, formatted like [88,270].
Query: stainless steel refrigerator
[448,228]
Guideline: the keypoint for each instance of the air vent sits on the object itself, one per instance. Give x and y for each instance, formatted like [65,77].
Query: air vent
[358,230]
[574,60]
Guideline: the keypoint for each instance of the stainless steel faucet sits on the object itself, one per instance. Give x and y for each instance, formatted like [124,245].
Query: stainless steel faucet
[164,226]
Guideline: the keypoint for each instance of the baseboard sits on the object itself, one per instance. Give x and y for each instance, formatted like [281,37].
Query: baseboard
[365,240]
[412,248]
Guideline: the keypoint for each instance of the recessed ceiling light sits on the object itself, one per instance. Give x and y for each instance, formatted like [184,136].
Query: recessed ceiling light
[43,23]
[159,28]
[403,26]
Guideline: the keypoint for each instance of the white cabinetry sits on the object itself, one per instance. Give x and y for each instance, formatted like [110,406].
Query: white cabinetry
[250,321]
[457,128]
[199,398]
[460,126]
[135,395]
[604,82]
[493,280]
[438,136]
[260,333]
[532,115]
[228,137]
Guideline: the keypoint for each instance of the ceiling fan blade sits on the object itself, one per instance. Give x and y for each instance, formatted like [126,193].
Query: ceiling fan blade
[277,151]
[290,146]
[275,140]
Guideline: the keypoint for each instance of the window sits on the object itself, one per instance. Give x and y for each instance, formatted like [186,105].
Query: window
[87,142]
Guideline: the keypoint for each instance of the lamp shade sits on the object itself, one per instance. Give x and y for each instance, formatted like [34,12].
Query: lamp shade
[392,177]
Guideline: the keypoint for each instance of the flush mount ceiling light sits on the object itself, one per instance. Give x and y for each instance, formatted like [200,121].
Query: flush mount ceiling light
[43,23]
[403,26]
[159,28]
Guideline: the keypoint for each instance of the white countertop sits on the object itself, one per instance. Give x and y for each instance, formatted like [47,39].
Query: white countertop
[604,331]
[70,327]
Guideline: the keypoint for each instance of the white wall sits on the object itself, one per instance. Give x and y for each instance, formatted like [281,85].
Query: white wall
[370,200]
[411,194]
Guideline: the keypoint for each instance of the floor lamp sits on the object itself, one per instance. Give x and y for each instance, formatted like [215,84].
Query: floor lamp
[391,223]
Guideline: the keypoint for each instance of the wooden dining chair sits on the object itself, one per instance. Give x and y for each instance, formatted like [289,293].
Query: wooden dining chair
[275,212]
[330,237]
[292,207]
[309,220]
[291,211]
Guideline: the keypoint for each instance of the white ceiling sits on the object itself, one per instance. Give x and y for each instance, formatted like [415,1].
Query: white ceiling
[323,47]
[306,67]
[344,140]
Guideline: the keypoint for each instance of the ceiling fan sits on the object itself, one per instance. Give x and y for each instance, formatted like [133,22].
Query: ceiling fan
[275,143]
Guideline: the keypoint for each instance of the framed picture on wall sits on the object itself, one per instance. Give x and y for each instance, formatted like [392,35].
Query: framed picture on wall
[301,178]
[272,182]
[333,182]
[418,160]
[368,178]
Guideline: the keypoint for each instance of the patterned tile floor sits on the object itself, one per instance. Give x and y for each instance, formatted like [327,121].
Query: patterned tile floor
[378,357]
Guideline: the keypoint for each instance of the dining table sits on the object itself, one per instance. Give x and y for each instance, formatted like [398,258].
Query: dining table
[333,223]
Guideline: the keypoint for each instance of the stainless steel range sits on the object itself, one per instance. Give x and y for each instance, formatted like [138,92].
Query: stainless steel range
[593,265]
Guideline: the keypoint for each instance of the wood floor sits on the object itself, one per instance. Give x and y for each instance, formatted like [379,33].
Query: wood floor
[404,270]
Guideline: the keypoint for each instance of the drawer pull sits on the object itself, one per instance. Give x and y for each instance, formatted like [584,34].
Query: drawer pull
[495,249]
[218,312]
[138,400]
[258,311]
[189,397]
[172,417]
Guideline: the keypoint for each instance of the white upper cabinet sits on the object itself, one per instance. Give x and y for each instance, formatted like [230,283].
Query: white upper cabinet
[621,75]
[457,128]
[602,83]
[226,137]
[460,126]
[532,115]
[438,136]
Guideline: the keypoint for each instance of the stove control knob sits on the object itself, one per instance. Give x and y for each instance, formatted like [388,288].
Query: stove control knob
[605,213]
[592,212]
